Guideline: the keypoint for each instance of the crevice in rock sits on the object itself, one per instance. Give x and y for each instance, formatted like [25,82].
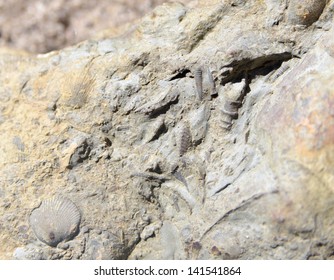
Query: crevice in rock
[80,155]
[181,73]
[163,109]
[161,130]
[260,66]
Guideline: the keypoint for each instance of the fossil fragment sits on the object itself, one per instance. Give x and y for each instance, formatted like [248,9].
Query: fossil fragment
[212,85]
[230,112]
[57,219]
[183,193]
[280,72]
[198,121]
[178,175]
[76,90]
[204,82]
[199,83]
[233,102]
[305,12]
[184,139]
[18,143]
[20,153]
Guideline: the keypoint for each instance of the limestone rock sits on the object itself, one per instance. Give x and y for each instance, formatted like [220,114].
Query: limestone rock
[100,124]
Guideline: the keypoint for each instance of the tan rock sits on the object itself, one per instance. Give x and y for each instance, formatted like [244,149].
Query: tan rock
[99,123]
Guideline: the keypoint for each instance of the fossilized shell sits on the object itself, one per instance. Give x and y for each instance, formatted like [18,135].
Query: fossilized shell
[55,220]
[230,112]
[199,83]
[184,139]
[212,85]
[76,90]
[280,71]
[198,121]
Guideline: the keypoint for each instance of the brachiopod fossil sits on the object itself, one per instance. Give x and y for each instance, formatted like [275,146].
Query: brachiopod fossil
[76,89]
[55,220]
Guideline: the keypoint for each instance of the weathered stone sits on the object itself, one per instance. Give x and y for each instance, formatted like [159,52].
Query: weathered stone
[305,12]
[110,138]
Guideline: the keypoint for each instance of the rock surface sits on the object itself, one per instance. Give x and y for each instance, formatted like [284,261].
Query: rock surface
[202,133]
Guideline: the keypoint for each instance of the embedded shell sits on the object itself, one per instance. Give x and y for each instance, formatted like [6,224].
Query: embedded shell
[55,220]
[184,139]
[230,112]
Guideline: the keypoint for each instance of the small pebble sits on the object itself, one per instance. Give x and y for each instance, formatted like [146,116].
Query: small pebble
[85,229]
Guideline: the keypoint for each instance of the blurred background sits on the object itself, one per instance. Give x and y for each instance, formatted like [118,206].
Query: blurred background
[40,26]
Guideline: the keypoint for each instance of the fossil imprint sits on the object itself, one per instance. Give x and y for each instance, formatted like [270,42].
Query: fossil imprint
[57,219]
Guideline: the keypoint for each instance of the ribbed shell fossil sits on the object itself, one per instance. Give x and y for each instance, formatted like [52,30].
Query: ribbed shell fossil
[199,83]
[230,112]
[184,139]
[55,220]
[76,90]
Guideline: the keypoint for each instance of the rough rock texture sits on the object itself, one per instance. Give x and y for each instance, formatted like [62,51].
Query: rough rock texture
[41,26]
[203,133]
